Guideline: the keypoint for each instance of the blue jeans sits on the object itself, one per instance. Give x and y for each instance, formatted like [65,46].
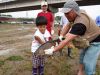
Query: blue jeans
[89,56]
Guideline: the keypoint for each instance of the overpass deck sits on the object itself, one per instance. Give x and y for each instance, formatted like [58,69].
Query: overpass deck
[22,5]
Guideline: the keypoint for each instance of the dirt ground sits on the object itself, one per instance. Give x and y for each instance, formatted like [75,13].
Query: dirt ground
[16,56]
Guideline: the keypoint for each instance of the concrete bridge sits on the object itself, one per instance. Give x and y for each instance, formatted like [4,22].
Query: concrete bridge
[22,5]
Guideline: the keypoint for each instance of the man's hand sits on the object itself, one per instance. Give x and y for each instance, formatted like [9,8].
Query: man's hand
[49,51]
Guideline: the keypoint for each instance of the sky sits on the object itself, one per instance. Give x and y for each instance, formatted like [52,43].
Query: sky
[93,11]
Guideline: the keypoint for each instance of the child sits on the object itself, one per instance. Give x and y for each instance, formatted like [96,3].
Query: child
[40,36]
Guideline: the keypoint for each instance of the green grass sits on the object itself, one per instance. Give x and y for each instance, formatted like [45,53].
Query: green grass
[27,66]
[15,58]
[98,71]
[1,63]
[20,63]
[99,58]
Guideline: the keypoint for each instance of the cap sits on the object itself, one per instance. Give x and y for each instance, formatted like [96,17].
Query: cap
[69,5]
[66,10]
[44,3]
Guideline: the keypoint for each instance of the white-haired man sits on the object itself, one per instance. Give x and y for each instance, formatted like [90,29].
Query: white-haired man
[82,26]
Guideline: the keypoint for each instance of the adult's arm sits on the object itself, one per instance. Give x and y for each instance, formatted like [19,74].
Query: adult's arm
[77,29]
[65,42]
[65,29]
[52,21]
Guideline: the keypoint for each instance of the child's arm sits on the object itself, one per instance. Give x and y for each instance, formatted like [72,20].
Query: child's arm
[39,40]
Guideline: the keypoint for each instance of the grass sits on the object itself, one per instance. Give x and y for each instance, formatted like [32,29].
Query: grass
[2,63]
[15,58]
[98,71]
[99,58]
[19,60]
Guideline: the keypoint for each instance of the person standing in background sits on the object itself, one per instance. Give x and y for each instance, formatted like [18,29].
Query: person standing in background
[48,15]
